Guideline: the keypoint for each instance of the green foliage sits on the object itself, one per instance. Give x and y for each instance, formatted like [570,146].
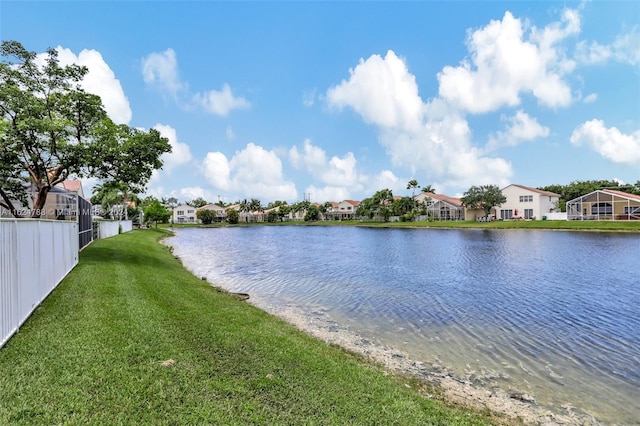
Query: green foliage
[402,206]
[206,216]
[156,212]
[483,197]
[577,189]
[378,205]
[273,216]
[197,202]
[312,214]
[52,129]
[233,217]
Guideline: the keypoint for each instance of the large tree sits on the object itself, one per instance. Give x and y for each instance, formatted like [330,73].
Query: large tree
[50,129]
[156,212]
[483,197]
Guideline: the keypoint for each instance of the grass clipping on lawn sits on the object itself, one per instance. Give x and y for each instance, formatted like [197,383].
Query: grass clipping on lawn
[131,337]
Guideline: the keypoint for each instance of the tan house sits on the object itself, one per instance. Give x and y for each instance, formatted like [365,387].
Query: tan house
[604,204]
[524,202]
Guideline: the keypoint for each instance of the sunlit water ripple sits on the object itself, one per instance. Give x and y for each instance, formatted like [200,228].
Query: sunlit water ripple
[554,314]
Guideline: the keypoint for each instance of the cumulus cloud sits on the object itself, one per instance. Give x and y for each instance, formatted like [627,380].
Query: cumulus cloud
[220,102]
[100,80]
[505,62]
[431,138]
[520,127]
[180,152]
[252,172]
[610,142]
[339,174]
[394,102]
[160,70]
[590,98]
[386,179]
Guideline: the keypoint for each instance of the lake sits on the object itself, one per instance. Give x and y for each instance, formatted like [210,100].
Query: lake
[553,314]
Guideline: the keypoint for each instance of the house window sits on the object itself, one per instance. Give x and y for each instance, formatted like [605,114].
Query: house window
[190,211]
[632,210]
[526,198]
[180,212]
[528,213]
[506,214]
[601,208]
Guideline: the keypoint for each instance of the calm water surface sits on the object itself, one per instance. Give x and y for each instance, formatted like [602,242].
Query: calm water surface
[553,314]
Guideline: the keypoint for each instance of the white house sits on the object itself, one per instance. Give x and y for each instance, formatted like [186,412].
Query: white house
[347,208]
[524,202]
[184,213]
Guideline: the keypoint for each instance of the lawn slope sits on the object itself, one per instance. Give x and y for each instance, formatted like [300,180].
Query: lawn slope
[131,337]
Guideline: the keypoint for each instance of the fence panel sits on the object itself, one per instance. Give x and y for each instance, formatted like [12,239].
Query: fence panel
[109,228]
[35,255]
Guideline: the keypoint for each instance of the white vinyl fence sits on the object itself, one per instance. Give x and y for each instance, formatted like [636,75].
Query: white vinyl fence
[109,228]
[35,255]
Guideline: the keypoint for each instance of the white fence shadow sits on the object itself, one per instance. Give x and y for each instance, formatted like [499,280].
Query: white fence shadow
[35,255]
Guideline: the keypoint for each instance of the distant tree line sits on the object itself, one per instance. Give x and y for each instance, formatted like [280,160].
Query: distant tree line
[577,189]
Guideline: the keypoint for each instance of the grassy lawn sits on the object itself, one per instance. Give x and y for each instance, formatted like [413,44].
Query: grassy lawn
[131,337]
[577,225]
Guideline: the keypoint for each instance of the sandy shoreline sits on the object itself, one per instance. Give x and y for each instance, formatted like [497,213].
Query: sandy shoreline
[459,390]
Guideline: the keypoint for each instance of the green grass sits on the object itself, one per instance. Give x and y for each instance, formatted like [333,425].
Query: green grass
[577,225]
[131,337]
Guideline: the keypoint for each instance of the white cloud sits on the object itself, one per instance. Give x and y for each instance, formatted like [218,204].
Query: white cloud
[180,152]
[327,193]
[432,139]
[217,170]
[520,127]
[100,80]
[193,192]
[610,142]
[340,175]
[312,158]
[590,98]
[161,70]
[229,133]
[386,179]
[504,64]
[309,98]
[252,172]
[625,48]
[220,102]
[382,91]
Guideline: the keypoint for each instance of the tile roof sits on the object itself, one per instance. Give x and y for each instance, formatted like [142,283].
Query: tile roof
[445,198]
[622,194]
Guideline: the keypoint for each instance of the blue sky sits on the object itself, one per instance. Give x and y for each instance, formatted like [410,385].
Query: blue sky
[279,100]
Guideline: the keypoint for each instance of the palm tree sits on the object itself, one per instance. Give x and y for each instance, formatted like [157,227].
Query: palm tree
[428,188]
[413,184]
[245,207]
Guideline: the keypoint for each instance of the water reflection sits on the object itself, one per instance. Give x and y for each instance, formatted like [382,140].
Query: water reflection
[550,313]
